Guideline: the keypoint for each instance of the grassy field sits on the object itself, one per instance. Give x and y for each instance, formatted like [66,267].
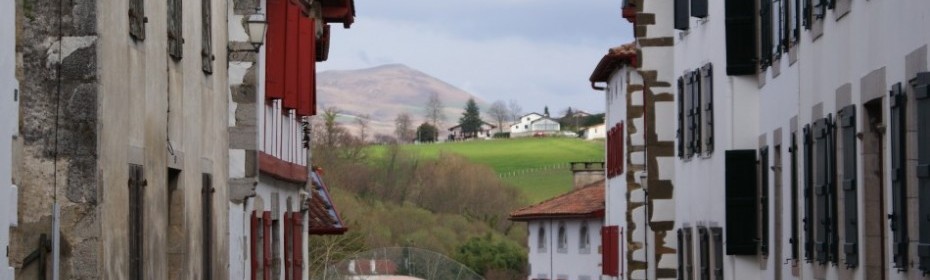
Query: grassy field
[539,166]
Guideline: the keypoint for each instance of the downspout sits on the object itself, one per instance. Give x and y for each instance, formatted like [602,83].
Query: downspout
[56,210]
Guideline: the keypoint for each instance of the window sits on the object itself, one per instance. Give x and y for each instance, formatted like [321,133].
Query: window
[741,202]
[847,123]
[824,159]
[260,238]
[898,214]
[563,239]
[704,252]
[922,96]
[137,19]
[136,220]
[808,14]
[541,239]
[584,239]
[699,8]
[175,34]
[207,48]
[207,210]
[740,37]
[681,14]
[808,194]
[695,112]
[765,36]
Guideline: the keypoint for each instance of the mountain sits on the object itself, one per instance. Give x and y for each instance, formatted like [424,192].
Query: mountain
[385,91]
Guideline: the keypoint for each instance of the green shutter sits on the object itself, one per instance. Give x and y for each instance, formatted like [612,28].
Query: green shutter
[922,95]
[847,119]
[898,181]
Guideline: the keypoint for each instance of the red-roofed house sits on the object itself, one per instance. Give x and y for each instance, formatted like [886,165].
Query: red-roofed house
[564,238]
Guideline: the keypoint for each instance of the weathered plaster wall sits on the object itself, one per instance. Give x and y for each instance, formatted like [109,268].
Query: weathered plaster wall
[121,101]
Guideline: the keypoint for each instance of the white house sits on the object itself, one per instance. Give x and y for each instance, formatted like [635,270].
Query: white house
[564,237]
[9,96]
[533,124]
[804,139]
[276,198]
[598,131]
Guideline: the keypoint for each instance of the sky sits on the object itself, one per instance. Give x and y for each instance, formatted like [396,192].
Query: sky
[537,52]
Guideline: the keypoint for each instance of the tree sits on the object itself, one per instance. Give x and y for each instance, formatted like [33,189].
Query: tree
[499,112]
[434,109]
[403,127]
[471,119]
[427,133]
[484,254]
[515,110]
[546,111]
[362,122]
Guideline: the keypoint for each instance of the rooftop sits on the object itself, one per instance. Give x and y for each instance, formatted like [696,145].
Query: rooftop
[585,202]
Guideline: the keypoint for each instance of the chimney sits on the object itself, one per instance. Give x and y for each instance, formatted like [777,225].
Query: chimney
[586,173]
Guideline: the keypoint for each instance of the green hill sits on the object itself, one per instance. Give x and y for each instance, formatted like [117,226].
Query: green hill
[538,166]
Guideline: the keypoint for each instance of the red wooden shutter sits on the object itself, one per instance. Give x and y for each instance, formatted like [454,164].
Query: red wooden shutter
[274,49]
[266,217]
[288,257]
[610,253]
[291,54]
[253,238]
[307,66]
[620,137]
[298,245]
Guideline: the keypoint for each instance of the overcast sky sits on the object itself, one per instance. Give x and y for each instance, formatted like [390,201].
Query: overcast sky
[538,52]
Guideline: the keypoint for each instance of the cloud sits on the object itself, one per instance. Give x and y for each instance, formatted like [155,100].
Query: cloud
[538,52]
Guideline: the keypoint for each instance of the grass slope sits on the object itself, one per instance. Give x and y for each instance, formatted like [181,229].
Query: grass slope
[538,166]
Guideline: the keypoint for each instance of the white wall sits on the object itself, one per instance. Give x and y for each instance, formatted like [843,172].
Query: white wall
[524,123]
[8,128]
[595,132]
[615,194]
[573,263]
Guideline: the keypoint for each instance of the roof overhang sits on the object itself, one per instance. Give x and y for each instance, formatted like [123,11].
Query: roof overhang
[615,58]
[342,11]
[554,216]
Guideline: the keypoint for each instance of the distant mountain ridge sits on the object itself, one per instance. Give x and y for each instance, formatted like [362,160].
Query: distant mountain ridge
[383,92]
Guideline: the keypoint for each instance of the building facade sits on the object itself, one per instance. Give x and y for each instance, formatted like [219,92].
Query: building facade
[564,234]
[803,156]
[9,125]
[276,199]
[534,124]
[121,156]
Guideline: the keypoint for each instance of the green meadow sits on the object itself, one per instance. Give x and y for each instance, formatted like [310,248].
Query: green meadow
[538,166]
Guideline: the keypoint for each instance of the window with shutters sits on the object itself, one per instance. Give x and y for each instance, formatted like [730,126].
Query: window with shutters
[707,95]
[704,252]
[541,239]
[808,194]
[764,200]
[681,14]
[922,97]
[795,237]
[175,35]
[137,19]
[847,124]
[699,8]
[207,46]
[765,34]
[717,267]
[136,221]
[741,39]
[563,239]
[741,202]
[825,227]
[207,210]
[898,214]
[681,117]
[584,239]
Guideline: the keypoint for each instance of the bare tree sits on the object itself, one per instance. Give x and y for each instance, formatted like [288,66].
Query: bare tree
[331,129]
[434,109]
[403,127]
[499,112]
[515,110]
[362,122]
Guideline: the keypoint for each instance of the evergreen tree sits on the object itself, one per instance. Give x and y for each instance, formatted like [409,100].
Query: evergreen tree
[471,119]
[546,111]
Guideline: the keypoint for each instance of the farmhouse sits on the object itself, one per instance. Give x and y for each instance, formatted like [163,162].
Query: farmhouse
[484,132]
[534,124]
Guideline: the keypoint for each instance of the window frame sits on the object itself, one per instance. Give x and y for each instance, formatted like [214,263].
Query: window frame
[562,241]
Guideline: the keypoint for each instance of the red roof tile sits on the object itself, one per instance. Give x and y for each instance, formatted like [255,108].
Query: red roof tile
[587,201]
[615,57]
[323,218]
